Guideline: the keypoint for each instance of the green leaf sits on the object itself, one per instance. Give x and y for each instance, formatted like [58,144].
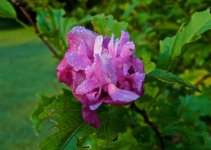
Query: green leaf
[169,77]
[106,25]
[7,10]
[65,114]
[43,102]
[194,106]
[65,106]
[56,141]
[113,122]
[126,141]
[54,27]
[171,47]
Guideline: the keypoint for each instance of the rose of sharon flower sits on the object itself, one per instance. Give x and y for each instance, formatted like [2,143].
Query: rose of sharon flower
[100,70]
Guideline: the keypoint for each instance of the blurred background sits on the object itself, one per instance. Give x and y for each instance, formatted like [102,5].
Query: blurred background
[28,68]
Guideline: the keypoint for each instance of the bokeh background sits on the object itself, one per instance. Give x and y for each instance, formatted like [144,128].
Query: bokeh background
[28,68]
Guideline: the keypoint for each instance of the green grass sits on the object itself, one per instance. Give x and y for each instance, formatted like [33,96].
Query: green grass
[27,68]
[16,36]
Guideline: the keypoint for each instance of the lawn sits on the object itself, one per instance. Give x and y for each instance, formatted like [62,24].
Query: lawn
[27,68]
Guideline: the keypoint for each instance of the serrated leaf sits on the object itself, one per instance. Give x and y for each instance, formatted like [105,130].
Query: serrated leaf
[194,106]
[43,102]
[169,77]
[113,122]
[64,110]
[56,141]
[126,141]
[54,27]
[65,114]
[7,10]
[63,139]
[171,47]
[106,25]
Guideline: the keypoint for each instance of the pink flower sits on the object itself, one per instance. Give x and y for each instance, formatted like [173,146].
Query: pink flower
[101,70]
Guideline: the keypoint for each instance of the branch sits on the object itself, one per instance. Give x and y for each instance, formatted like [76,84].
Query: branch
[151,125]
[28,17]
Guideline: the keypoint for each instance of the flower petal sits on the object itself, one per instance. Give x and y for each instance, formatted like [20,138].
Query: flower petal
[96,105]
[109,68]
[103,69]
[98,45]
[111,47]
[98,71]
[137,80]
[77,61]
[125,69]
[108,100]
[94,95]
[127,49]
[137,65]
[120,43]
[64,72]
[125,36]
[120,96]
[90,116]
[106,40]
[89,72]
[78,78]
[87,86]
[81,40]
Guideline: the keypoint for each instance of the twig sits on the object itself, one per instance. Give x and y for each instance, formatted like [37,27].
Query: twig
[151,125]
[28,17]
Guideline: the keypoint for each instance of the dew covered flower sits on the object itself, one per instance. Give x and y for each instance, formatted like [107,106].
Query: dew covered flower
[100,70]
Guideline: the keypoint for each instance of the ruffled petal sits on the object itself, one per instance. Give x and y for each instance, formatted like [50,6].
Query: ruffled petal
[122,66]
[108,100]
[120,96]
[81,40]
[90,117]
[120,43]
[78,78]
[103,69]
[127,49]
[98,71]
[137,65]
[125,69]
[94,96]
[111,47]
[137,80]
[106,40]
[126,85]
[95,105]
[77,46]
[109,68]
[87,86]
[77,61]
[64,72]
[125,36]
[98,45]
[89,72]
